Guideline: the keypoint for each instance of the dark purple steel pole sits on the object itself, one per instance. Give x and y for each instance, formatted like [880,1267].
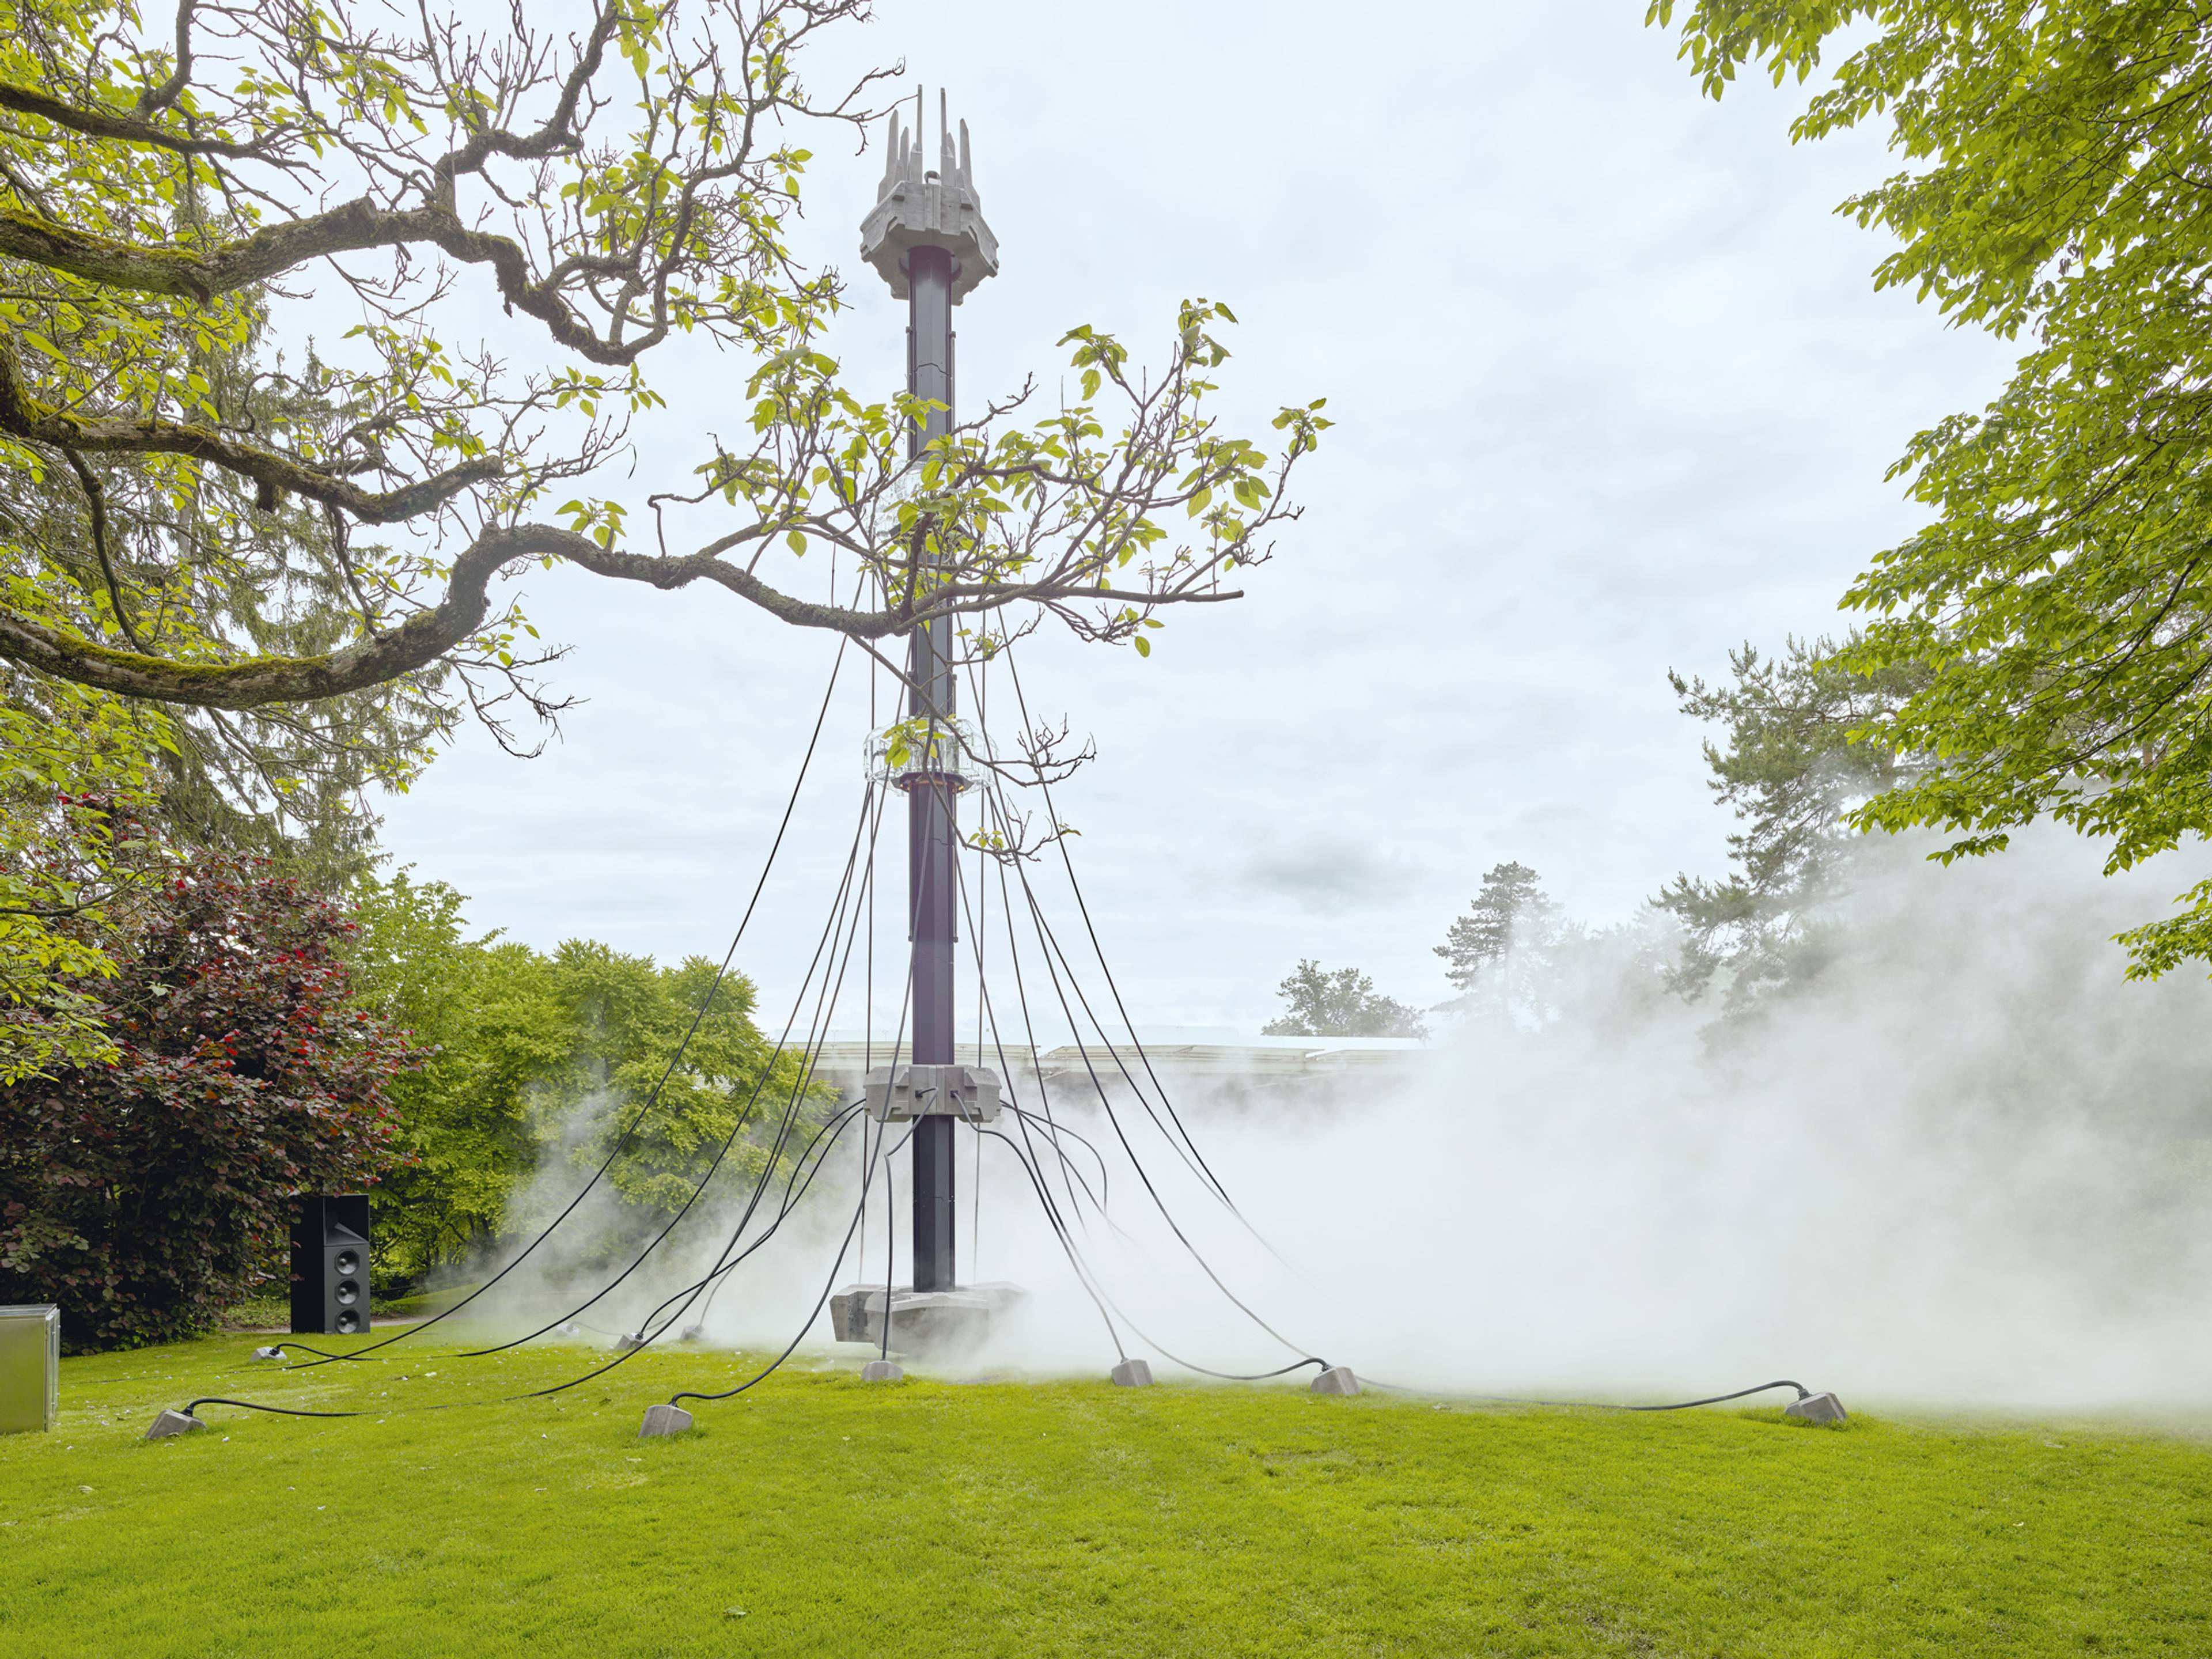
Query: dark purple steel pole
[933,804]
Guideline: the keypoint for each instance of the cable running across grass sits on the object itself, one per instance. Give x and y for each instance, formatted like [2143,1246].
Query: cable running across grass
[832,928]
[835,1267]
[1048,946]
[826,942]
[706,1003]
[1803,1392]
[834,1129]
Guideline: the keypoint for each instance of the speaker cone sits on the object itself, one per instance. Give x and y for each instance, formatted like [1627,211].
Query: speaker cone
[348,1262]
[348,1293]
[348,1322]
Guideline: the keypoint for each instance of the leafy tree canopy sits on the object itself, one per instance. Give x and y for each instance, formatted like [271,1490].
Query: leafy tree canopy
[2056,189]
[1343,1003]
[77,778]
[534,1062]
[615,189]
[286,549]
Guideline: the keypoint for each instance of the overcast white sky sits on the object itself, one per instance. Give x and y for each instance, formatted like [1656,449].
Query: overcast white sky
[1613,392]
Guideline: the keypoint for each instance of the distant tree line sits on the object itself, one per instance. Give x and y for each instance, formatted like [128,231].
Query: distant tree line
[1790,755]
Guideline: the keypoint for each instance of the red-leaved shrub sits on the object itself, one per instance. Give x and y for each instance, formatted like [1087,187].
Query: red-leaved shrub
[147,1196]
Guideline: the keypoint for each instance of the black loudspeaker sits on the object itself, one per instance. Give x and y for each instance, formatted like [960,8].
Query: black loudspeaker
[330,1266]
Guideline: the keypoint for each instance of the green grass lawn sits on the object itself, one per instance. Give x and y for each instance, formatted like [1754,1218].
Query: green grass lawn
[819,1515]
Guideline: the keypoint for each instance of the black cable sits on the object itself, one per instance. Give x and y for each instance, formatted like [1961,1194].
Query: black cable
[834,1128]
[1051,947]
[1038,923]
[835,1267]
[891,1189]
[192,1408]
[1059,1231]
[1076,887]
[1029,1026]
[629,1354]
[1105,1101]
[842,1121]
[1196,1165]
[621,1359]
[1052,1132]
[818,1029]
[1099,1294]
[838,914]
[827,937]
[767,864]
[985,1011]
[1192,1159]
[868,888]
[712,1280]
[1803,1392]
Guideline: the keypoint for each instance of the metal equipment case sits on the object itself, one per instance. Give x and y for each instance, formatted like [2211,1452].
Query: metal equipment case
[30,1366]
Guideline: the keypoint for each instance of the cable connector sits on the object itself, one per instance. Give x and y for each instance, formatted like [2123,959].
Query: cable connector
[899,1094]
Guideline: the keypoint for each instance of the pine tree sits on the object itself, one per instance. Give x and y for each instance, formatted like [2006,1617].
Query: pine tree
[1509,902]
[1496,954]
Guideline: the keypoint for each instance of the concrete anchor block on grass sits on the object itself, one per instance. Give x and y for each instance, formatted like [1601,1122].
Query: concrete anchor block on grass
[1337,1379]
[1132,1374]
[664,1421]
[1816,1408]
[169,1423]
[882,1370]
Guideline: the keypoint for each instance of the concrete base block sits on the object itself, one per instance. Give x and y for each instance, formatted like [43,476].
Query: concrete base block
[1816,1408]
[1132,1374]
[268,1353]
[882,1370]
[1337,1379]
[169,1423]
[929,1323]
[664,1420]
[629,1341]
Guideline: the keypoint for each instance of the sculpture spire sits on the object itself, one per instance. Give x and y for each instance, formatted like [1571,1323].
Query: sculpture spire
[918,205]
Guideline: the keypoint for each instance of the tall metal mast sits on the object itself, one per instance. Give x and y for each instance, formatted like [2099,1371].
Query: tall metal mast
[933,798]
[926,238]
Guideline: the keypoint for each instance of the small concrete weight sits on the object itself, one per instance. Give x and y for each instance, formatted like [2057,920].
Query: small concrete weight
[1816,1408]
